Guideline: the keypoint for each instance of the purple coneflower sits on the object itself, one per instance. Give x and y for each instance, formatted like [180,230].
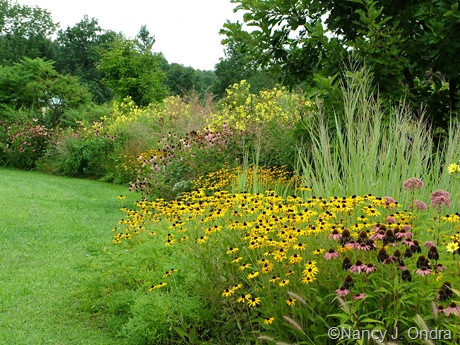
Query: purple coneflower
[403,234]
[335,235]
[358,267]
[331,254]
[369,268]
[359,296]
[429,244]
[423,271]
[342,291]
[452,309]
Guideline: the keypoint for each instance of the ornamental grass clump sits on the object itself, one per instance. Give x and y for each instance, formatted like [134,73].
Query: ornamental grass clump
[290,267]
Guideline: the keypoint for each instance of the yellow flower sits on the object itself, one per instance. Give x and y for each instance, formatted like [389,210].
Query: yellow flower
[202,239]
[453,168]
[236,259]
[236,287]
[269,320]
[295,259]
[291,301]
[244,266]
[308,279]
[158,286]
[121,197]
[452,247]
[254,302]
[284,282]
[232,250]
[253,275]
[318,251]
[227,292]
[244,298]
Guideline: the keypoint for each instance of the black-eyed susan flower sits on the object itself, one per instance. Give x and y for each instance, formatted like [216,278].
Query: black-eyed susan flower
[295,259]
[202,239]
[269,320]
[244,266]
[237,259]
[244,298]
[274,279]
[308,279]
[227,292]
[299,246]
[236,287]
[284,282]
[232,250]
[254,302]
[253,275]
[318,251]
[291,301]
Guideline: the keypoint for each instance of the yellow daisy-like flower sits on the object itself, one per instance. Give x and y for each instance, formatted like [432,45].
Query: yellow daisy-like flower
[232,250]
[244,298]
[202,239]
[227,293]
[318,251]
[121,197]
[274,279]
[284,282]
[291,301]
[236,259]
[236,287]
[452,247]
[299,246]
[244,266]
[158,286]
[308,279]
[453,168]
[295,259]
[310,271]
[253,275]
[310,264]
[254,302]
[269,320]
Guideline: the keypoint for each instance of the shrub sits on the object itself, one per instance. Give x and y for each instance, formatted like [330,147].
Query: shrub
[24,142]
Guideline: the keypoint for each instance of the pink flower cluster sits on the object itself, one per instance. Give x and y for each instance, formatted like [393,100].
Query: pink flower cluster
[413,184]
[440,198]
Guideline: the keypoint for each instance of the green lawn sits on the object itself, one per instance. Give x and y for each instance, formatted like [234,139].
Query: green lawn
[49,227]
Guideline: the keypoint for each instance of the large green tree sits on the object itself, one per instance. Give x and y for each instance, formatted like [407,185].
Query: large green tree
[34,85]
[78,51]
[131,69]
[24,32]
[410,46]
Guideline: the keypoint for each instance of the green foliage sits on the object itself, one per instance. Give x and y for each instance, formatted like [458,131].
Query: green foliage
[130,70]
[34,85]
[78,51]
[24,32]
[400,43]
[236,66]
[23,142]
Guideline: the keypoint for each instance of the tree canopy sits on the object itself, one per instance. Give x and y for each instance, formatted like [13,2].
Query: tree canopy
[409,46]
[24,32]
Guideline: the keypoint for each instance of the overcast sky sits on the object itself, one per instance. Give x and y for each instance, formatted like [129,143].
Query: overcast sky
[186,31]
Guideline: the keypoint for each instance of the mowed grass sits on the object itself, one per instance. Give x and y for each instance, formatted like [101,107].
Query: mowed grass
[49,226]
